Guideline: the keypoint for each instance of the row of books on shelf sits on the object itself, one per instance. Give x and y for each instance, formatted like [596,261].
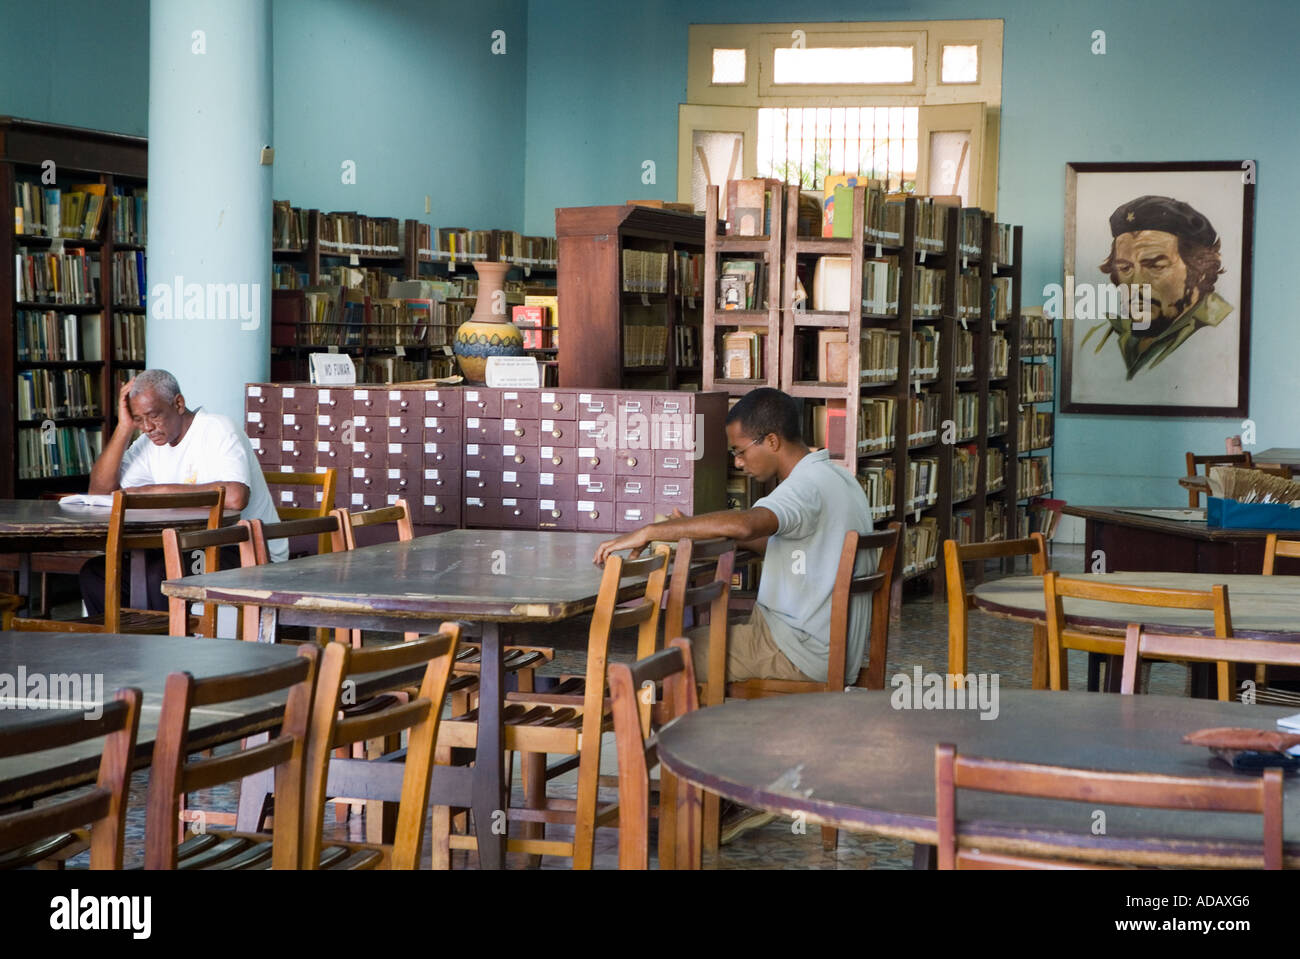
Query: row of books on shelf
[288,276]
[998,412]
[925,353]
[740,285]
[968,297]
[920,545]
[922,488]
[966,415]
[290,226]
[878,359]
[57,394]
[332,316]
[128,337]
[348,233]
[995,477]
[1035,382]
[999,356]
[1037,333]
[645,345]
[923,418]
[995,524]
[965,471]
[536,321]
[689,273]
[76,213]
[51,337]
[876,477]
[645,271]
[128,278]
[514,247]
[58,451]
[876,423]
[1034,476]
[70,277]
[1034,430]
[743,354]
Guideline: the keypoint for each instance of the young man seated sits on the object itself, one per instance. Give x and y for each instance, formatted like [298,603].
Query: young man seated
[179,450]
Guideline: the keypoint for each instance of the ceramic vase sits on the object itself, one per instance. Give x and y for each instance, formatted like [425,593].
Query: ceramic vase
[487,333]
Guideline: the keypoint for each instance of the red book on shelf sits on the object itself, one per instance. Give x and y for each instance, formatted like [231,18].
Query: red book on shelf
[530,320]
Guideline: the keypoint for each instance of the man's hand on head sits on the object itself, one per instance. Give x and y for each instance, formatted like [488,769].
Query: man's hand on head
[124,416]
[635,541]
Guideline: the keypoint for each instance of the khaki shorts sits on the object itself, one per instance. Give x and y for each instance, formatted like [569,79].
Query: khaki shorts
[751,652]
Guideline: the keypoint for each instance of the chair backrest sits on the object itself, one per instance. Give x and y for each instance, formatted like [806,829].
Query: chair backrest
[1274,547]
[1213,459]
[638,754]
[262,533]
[871,675]
[172,774]
[960,599]
[1244,794]
[1056,588]
[178,545]
[1138,643]
[324,480]
[398,513]
[420,715]
[118,540]
[103,808]
[711,593]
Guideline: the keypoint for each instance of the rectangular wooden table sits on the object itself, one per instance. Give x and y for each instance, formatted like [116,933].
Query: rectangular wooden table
[504,579]
[1132,541]
[1278,456]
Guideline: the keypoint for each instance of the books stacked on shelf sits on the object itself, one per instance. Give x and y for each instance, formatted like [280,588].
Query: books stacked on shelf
[69,277]
[428,322]
[965,471]
[966,415]
[876,425]
[880,286]
[56,394]
[128,278]
[1037,334]
[62,451]
[391,369]
[290,226]
[876,477]
[1034,430]
[750,204]
[686,349]
[1000,293]
[920,546]
[882,217]
[287,276]
[925,353]
[1035,476]
[964,358]
[550,305]
[995,477]
[927,291]
[128,337]
[131,215]
[457,243]
[971,242]
[1044,514]
[743,353]
[532,322]
[50,337]
[645,345]
[392,322]
[931,221]
[923,419]
[997,423]
[529,251]
[689,270]
[968,295]
[343,234]
[1035,382]
[828,428]
[645,271]
[999,355]
[995,522]
[1022,522]
[922,482]
[963,526]
[740,285]
[879,359]
[1002,240]
[74,213]
[365,281]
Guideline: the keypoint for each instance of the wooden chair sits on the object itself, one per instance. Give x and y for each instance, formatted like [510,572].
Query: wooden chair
[1274,547]
[1245,794]
[178,545]
[710,597]
[324,481]
[679,808]
[1060,638]
[35,836]
[1194,463]
[567,721]
[172,774]
[1140,644]
[330,730]
[960,600]
[116,619]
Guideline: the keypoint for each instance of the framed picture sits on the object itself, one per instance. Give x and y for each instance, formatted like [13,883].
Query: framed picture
[1155,305]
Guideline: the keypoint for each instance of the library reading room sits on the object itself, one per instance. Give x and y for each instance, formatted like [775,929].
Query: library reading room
[571,435]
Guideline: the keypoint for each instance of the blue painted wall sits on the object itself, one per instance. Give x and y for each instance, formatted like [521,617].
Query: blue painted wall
[1185,80]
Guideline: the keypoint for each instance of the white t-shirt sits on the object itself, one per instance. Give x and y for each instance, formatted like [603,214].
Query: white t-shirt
[213,450]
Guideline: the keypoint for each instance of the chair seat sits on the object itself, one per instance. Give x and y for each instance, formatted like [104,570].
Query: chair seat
[143,621]
[469,658]
[216,850]
[34,852]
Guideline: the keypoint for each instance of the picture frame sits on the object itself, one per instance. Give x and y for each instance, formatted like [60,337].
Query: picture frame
[1164,330]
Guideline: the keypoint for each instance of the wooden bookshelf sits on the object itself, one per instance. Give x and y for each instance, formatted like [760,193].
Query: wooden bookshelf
[591,288]
[114,162]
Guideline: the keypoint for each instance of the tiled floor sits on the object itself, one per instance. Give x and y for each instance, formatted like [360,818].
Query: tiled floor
[920,638]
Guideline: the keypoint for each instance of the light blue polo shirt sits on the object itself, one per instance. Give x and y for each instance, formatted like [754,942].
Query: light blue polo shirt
[815,506]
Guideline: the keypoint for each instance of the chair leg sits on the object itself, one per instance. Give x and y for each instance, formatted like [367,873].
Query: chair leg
[584,825]
[440,821]
[830,838]
[712,823]
[533,768]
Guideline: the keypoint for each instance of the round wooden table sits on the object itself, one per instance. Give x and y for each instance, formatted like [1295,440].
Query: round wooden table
[1263,607]
[853,761]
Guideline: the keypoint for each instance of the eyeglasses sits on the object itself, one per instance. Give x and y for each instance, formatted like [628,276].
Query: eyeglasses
[737,454]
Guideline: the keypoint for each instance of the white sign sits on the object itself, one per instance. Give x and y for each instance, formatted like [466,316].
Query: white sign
[334,369]
[513,372]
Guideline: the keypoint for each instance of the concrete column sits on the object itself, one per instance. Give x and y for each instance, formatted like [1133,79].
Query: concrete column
[209,250]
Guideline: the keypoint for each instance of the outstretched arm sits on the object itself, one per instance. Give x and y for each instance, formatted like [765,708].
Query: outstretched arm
[236,493]
[744,526]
